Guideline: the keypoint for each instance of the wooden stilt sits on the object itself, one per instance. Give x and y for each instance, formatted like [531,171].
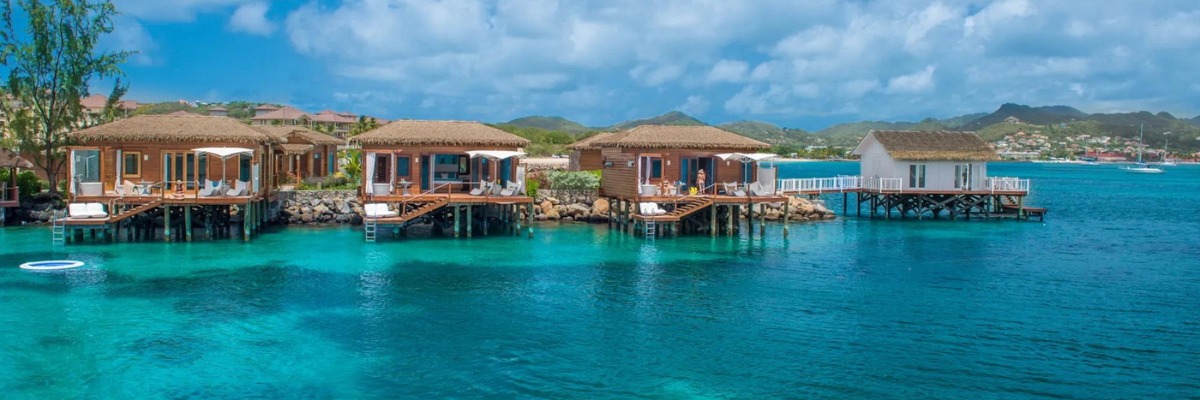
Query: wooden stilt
[166,223]
[187,223]
[712,220]
[470,220]
[762,219]
[786,213]
[456,217]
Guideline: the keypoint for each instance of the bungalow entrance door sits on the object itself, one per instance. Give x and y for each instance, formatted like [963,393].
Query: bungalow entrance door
[179,166]
[963,175]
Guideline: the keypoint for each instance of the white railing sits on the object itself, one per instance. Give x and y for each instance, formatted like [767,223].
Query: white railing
[1007,184]
[820,185]
[884,184]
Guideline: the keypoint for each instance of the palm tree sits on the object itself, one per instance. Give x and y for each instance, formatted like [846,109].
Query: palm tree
[364,124]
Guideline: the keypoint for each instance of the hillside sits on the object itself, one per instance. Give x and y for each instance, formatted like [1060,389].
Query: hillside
[961,120]
[1028,115]
[549,123]
[237,109]
[671,118]
[769,133]
[544,142]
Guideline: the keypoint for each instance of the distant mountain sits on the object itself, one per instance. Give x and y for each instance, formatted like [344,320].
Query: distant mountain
[1195,121]
[768,133]
[849,134]
[961,120]
[550,124]
[671,118]
[1029,115]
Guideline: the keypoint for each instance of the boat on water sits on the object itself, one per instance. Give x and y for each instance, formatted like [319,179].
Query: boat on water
[1141,167]
[1166,162]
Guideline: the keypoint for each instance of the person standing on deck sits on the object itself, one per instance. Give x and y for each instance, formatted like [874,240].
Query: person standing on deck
[700,177]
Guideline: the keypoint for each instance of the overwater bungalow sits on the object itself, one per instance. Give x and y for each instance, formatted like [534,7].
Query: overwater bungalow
[9,192]
[585,155]
[924,173]
[456,175]
[303,153]
[168,171]
[691,178]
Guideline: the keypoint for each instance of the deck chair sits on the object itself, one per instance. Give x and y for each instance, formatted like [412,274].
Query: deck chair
[78,211]
[210,189]
[96,210]
[651,209]
[483,186]
[239,189]
[496,189]
[731,189]
[378,210]
[759,189]
[511,188]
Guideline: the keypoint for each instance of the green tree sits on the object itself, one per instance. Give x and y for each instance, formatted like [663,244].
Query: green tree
[50,62]
[364,124]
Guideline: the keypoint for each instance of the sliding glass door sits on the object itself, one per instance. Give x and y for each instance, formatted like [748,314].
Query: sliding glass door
[180,166]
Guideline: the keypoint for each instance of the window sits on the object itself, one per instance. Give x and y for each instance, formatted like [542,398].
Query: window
[656,168]
[958,176]
[244,168]
[402,167]
[916,176]
[131,164]
[316,156]
[382,163]
[87,165]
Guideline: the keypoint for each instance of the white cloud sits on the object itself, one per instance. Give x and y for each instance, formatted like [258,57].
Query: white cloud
[695,105]
[252,18]
[728,71]
[916,82]
[171,11]
[658,75]
[129,35]
[857,88]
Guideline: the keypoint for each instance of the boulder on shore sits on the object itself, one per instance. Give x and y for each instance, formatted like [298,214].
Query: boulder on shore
[600,207]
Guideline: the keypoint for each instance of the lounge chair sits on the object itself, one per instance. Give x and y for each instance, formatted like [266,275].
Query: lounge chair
[758,189]
[483,186]
[96,210]
[651,209]
[496,189]
[210,189]
[511,188]
[378,210]
[239,189]
[86,210]
[731,189]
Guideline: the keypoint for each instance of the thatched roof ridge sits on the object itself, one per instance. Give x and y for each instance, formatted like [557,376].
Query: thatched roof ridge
[679,137]
[174,128]
[589,143]
[282,132]
[295,149]
[934,145]
[438,133]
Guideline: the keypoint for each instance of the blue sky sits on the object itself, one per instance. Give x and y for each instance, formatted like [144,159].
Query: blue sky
[795,63]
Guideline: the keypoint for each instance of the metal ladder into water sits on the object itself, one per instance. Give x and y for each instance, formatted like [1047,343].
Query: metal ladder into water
[58,228]
[369,228]
[651,229]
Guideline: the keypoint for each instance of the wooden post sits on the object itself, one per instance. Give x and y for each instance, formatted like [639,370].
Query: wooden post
[762,219]
[470,220]
[787,212]
[166,223]
[610,214]
[733,210]
[187,222]
[246,222]
[456,217]
[712,220]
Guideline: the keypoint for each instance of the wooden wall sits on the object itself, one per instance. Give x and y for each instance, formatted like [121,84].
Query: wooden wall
[152,166]
[586,160]
[620,180]
[415,152]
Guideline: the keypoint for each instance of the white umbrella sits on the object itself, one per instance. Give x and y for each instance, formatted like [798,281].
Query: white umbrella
[747,158]
[224,153]
[496,155]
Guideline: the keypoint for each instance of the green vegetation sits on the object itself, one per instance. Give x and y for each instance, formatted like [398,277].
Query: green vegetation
[242,110]
[51,54]
[549,124]
[338,181]
[671,118]
[27,181]
[544,142]
[573,180]
[769,133]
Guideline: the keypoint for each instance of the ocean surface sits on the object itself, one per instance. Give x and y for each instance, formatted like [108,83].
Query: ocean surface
[1102,301]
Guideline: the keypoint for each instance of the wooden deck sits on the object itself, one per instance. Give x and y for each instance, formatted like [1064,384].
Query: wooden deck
[717,199]
[452,198]
[187,199]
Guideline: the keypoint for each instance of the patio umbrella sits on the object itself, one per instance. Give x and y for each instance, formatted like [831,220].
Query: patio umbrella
[224,153]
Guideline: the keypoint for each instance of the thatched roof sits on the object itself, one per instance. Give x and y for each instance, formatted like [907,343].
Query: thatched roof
[174,128]
[933,145]
[10,159]
[295,149]
[678,137]
[589,143]
[283,132]
[439,133]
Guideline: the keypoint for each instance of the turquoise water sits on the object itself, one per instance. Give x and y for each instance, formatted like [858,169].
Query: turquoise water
[1102,301]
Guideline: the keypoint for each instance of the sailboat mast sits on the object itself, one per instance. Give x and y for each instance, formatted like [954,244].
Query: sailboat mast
[1140,143]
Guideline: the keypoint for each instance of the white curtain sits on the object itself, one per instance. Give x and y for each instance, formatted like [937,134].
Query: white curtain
[766,178]
[521,177]
[369,173]
[71,174]
[120,172]
[254,177]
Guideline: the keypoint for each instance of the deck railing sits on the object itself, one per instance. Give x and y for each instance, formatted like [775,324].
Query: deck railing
[1007,184]
[822,185]
[8,194]
[884,184]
